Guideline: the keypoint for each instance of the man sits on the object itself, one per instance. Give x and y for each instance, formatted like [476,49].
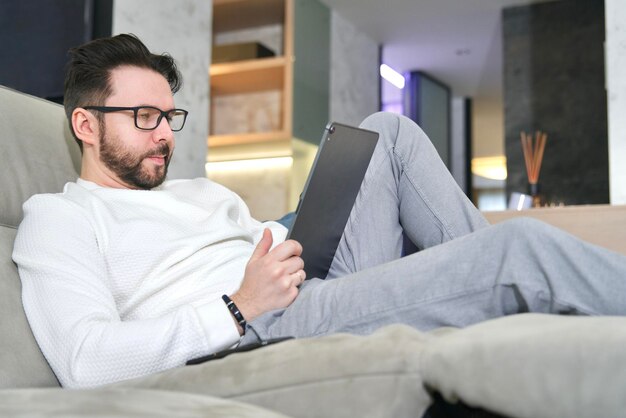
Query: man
[124,274]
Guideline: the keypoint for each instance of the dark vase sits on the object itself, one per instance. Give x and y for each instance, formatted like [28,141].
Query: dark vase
[534,189]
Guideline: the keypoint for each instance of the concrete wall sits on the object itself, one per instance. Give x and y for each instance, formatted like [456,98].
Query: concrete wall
[353,73]
[554,82]
[183,29]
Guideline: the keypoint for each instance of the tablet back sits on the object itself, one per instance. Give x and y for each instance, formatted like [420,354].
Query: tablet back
[329,194]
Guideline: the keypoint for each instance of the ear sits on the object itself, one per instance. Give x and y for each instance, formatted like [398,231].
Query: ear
[85,126]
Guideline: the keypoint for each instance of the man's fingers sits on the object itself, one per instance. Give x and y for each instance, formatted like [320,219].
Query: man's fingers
[286,250]
[298,277]
[294,264]
[263,247]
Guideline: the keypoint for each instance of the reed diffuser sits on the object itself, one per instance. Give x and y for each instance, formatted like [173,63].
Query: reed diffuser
[533,156]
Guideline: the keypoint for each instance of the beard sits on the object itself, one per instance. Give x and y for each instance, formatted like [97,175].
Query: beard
[129,167]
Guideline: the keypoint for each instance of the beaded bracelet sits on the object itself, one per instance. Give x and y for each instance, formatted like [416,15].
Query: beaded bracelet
[235,311]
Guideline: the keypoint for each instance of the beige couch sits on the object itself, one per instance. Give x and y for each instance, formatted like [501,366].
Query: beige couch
[524,365]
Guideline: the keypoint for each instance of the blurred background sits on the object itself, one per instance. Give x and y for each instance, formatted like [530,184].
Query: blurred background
[263,77]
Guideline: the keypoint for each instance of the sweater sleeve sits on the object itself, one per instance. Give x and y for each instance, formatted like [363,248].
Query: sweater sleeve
[279,232]
[73,313]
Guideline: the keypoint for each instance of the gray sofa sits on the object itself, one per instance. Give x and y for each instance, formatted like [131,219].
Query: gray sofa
[527,365]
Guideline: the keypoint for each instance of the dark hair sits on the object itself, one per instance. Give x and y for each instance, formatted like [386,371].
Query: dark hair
[87,79]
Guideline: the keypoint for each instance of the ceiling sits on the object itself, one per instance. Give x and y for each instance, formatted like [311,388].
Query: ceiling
[458,42]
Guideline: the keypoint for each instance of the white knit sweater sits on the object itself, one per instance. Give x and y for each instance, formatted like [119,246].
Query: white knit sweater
[123,283]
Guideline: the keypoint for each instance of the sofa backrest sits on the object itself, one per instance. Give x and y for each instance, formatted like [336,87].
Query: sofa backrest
[38,155]
[21,361]
[38,152]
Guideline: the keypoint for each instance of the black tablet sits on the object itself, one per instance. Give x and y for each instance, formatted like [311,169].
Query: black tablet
[329,194]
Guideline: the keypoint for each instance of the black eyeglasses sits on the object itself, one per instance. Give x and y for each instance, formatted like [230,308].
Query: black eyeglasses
[147,118]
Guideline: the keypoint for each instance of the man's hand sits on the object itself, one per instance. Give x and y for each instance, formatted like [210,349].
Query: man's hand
[271,277]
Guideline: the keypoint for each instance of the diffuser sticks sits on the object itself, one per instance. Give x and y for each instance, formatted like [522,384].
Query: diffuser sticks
[533,156]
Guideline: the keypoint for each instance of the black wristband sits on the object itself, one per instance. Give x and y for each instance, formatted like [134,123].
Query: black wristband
[235,311]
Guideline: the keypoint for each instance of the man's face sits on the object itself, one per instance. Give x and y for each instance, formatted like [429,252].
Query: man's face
[132,167]
[135,158]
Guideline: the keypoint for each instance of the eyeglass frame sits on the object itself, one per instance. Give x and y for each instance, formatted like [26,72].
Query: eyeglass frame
[135,109]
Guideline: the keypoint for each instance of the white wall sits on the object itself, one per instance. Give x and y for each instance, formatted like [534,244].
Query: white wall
[183,29]
[615,12]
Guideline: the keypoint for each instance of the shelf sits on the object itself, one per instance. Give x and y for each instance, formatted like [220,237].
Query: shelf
[248,76]
[228,16]
[259,75]
[247,138]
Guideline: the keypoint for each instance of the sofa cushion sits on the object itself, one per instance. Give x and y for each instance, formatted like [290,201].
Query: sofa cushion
[338,375]
[21,361]
[120,403]
[33,159]
[533,365]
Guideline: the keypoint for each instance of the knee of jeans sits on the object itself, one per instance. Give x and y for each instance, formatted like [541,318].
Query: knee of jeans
[397,131]
[524,227]
[379,117]
[382,122]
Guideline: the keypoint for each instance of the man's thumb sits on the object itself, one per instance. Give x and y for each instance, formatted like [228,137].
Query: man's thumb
[263,247]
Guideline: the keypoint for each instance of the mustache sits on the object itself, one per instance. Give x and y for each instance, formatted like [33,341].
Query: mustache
[161,149]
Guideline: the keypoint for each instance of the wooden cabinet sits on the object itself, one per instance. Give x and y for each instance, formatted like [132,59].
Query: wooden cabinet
[272,74]
[272,109]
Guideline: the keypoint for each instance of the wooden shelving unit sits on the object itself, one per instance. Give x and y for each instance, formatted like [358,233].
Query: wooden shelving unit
[248,76]
[248,138]
[256,75]
[271,107]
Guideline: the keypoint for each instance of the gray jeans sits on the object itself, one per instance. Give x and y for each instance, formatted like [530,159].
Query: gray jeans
[465,271]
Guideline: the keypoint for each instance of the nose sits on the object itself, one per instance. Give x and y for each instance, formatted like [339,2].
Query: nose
[163,131]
